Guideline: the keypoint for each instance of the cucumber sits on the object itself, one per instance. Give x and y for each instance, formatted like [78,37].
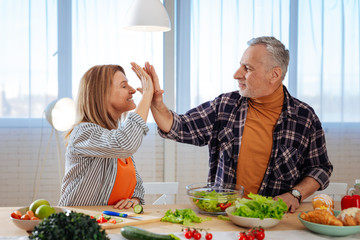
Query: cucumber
[138,209]
[135,233]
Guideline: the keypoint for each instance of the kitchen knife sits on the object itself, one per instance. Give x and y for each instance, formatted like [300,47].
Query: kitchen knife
[123,215]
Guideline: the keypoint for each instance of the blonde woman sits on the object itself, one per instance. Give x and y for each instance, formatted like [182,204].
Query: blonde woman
[99,168]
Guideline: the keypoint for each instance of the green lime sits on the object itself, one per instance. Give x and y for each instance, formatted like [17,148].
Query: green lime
[37,203]
[44,211]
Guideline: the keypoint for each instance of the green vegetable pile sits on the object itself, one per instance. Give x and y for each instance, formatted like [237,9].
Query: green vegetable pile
[70,225]
[210,201]
[260,207]
[183,216]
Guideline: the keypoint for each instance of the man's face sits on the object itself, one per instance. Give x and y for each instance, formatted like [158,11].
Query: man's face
[255,73]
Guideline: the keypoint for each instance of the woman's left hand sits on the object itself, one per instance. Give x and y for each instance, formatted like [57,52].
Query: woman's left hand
[127,203]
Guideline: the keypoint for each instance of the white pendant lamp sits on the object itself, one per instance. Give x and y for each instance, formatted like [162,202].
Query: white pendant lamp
[147,16]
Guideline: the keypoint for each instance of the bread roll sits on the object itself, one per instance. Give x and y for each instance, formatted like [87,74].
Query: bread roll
[323,201]
[350,216]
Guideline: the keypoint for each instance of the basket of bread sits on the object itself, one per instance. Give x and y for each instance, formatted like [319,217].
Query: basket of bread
[325,220]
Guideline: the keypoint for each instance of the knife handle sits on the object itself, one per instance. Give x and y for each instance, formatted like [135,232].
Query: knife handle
[111,213]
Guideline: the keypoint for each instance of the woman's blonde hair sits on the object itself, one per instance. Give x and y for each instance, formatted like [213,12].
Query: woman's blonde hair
[92,98]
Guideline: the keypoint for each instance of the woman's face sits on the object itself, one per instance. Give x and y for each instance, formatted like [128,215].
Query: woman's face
[121,96]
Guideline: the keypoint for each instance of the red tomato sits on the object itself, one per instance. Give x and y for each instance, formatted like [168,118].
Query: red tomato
[250,237]
[101,219]
[197,236]
[208,236]
[259,235]
[34,218]
[242,238]
[112,220]
[30,213]
[224,206]
[188,235]
[25,217]
[14,215]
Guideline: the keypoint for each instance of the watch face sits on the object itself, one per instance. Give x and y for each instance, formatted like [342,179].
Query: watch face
[296,193]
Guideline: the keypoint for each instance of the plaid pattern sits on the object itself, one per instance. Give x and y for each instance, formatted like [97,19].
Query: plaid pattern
[298,150]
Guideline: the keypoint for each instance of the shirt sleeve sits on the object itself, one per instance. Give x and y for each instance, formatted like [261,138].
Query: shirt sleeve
[194,127]
[92,140]
[318,165]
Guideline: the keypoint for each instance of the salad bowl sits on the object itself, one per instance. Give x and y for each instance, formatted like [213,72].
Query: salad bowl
[250,222]
[209,198]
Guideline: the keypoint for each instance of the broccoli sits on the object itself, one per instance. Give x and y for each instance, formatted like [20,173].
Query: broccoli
[70,225]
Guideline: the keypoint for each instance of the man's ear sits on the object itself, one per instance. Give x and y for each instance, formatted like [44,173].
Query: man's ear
[276,74]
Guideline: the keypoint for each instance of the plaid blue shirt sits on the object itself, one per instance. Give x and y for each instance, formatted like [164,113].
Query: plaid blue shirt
[298,149]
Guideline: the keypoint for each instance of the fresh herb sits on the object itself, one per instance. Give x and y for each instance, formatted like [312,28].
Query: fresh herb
[260,207]
[71,225]
[182,216]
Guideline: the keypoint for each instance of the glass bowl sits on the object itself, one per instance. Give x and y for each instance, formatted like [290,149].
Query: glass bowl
[212,199]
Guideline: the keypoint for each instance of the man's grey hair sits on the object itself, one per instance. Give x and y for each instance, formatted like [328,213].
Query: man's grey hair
[277,51]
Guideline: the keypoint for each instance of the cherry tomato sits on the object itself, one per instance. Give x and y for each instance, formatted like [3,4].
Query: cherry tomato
[25,217]
[30,213]
[242,234]
[112,220]
[242,237]
[34,218]
[197,236]
[14,215]
[250,237]
[259,235]
[224,206]
[101,219]
[188,235]
[208,236]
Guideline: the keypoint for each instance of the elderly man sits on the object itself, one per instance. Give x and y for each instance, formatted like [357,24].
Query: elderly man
[259,137]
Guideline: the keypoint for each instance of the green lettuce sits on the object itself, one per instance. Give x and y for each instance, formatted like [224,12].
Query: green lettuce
[260,207]
[182,216]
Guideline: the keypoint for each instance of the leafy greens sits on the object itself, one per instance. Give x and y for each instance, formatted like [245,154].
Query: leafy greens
[260,207]
[183,216]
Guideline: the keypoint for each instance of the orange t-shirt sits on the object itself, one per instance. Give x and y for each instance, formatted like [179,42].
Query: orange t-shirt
[257,140]
[125,181]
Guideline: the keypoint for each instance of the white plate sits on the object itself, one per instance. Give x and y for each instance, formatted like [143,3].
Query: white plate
[250,222]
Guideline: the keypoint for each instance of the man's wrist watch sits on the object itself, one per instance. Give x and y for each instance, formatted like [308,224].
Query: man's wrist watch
[296,194]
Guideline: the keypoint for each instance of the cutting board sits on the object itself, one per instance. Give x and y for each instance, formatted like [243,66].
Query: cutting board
[146,217]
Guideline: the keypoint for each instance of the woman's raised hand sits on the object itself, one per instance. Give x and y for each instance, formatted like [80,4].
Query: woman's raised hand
[150,70]
[147,86]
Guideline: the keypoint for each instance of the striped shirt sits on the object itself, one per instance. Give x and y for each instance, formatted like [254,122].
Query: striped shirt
[91,161]
[298,149]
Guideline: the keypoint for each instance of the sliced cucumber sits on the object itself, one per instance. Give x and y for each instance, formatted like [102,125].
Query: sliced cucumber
[135,233]
[138,209]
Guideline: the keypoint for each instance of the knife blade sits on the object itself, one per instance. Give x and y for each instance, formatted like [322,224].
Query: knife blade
[123,215]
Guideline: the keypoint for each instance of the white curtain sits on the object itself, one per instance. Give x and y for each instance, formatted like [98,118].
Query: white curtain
[98,38]
[327,44]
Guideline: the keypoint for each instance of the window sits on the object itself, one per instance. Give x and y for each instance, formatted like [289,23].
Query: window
[28,60]
[30,65]
[325,50]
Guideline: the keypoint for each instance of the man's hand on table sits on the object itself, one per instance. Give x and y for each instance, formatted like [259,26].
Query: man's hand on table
[290,201]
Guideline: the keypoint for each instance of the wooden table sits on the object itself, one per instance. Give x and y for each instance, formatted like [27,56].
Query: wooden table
[289,222]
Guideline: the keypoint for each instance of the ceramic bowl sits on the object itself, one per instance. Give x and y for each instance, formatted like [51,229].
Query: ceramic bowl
[28,225]
[250,222]
[334,231]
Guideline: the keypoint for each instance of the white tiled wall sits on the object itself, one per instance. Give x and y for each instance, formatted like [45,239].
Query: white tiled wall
[23,161]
